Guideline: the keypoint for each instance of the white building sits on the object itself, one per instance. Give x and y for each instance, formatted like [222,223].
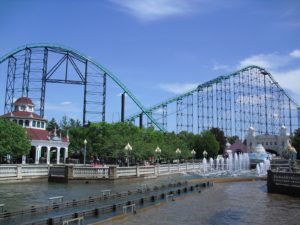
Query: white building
[45,147]
[272,143]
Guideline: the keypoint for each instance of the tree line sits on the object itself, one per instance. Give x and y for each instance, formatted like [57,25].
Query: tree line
[107,141]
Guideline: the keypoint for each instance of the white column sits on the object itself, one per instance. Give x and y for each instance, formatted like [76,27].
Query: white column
[66,154]
[23,159]
[37,154]
[48,155]
[58,155]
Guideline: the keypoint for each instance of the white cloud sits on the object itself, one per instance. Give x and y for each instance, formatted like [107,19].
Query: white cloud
[178,88]
[218,66]
[148,10]
[267,61]
[282,68]
[66,103]
[289,79]
[295,53]
[69,107]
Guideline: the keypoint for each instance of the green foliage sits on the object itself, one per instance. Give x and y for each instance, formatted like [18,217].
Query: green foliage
[206,141]
[296,141]
[52,124]
[108,141]
[220,137]
[13,139]
[232,139]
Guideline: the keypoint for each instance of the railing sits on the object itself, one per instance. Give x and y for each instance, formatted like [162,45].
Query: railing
[8,171]
[90,172]
[32,171]
[284,182]
[19,171]
[146,170]
[126,171]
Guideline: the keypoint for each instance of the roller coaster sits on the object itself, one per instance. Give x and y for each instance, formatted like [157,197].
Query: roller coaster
[233,102]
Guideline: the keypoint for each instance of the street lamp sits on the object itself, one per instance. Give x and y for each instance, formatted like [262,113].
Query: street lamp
[178,152]
[193,152]
[84,156]
[157,151]
[128,149]
[204,154]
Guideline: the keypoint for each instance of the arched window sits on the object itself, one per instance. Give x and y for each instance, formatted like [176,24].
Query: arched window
[21,122]
[26,123]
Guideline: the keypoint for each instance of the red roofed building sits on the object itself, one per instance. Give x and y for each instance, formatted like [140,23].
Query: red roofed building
[46,147]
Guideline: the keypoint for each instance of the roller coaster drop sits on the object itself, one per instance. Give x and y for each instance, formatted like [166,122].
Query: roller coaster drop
[248,97]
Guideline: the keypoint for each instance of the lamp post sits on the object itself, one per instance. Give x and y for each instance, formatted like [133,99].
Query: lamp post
[204,154]
[193,152]
[178,152]
[128,149]
[157,151]
[84,154]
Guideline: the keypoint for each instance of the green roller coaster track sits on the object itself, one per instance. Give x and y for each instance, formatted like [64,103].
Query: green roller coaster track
[99,66]
[210,83]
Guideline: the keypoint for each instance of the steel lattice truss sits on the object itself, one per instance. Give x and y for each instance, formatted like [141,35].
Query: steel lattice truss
[30,68]
[248,97]
[233,103]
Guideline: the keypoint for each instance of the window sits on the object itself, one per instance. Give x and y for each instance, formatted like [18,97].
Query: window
[34,123]
[23,107]
[30,108]
[42,124]
[38,124]
[15,121]
[271,143]
[26,123]
[275,143]
[267,143]
[21,122]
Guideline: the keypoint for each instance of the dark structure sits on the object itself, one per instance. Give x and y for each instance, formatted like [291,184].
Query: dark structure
[284,183]
[233,103]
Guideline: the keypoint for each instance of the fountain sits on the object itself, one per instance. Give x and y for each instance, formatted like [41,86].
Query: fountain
[233,165]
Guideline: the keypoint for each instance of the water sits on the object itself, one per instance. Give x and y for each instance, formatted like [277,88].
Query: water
[23,195]
[243,203]
[16,196]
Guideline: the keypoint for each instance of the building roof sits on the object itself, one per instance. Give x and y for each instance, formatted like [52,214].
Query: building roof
[23,115]
[24,101]
[42,135]
[238,146]
[36,134]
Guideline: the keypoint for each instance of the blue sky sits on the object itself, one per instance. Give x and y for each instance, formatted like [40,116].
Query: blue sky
[159,48]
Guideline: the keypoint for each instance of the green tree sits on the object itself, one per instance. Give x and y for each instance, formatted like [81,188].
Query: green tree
[296,141]
[52,124]
[207,141]
[232,139]
[13,139]
[220,137]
